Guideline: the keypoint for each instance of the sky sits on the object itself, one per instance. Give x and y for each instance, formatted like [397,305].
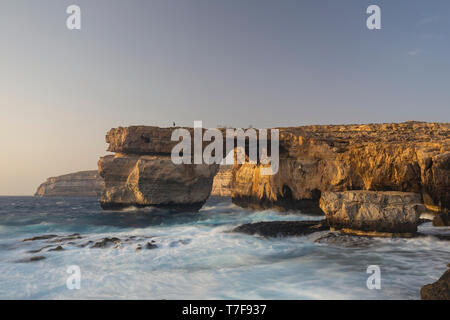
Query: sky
[226,62]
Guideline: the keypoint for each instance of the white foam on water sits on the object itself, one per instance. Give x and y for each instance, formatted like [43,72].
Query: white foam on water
[200,259]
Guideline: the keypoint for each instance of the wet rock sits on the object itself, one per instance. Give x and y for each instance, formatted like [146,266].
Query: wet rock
[282,228]
[30,259]
[151,245]
[182,241]
[341,239]
[138,247]
[439,290]
[74,236]
[372,212]
[58,248]
[441,220]
[42,237]
[39,250]
[85,244]
[106,242]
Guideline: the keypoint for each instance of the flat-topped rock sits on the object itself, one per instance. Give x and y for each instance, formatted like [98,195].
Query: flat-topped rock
[372,212]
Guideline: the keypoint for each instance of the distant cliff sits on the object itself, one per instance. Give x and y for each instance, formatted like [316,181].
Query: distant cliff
[78,184]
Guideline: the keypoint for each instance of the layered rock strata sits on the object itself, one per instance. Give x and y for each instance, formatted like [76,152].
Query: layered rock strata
[79,184]
[150,180]
[373,213]
[222,182]
[408,157]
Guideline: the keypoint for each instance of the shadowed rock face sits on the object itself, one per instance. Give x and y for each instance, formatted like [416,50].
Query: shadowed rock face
[371,211]
[409,157]
[144,180]
[79,184]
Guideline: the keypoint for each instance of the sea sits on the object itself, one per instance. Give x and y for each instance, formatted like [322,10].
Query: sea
[189,255]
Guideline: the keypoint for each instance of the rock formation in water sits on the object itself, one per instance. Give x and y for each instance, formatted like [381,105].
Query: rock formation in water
[222,182]
[373,212]
[439,290]
[141,173]
[409,157]
[79,184]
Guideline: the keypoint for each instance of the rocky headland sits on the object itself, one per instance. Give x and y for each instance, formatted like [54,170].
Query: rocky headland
[407,157]
[78,184]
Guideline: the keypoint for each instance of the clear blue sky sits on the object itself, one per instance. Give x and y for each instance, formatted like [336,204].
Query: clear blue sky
[226,62]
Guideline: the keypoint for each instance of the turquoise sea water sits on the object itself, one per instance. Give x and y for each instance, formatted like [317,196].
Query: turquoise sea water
[197,258]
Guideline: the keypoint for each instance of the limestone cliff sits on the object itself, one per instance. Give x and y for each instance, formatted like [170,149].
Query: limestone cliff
[222,182]
[410,157]
[149,180]
[79,184]
[141,173]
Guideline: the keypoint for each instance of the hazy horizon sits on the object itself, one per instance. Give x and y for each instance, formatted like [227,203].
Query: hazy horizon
[231,63]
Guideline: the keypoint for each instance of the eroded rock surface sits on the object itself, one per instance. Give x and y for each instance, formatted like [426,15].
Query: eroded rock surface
[222,182]
[149,180]
[79,184]
[409,157]
[373,211]
[439,290]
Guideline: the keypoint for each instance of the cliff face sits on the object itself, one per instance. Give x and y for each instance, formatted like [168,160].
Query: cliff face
[79,184]
[410,157]
[222,182]
[144,180]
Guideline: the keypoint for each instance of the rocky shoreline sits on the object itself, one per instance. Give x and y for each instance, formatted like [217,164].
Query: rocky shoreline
[367,181]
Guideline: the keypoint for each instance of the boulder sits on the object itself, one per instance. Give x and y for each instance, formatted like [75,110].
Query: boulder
[373,212]
[439,290]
